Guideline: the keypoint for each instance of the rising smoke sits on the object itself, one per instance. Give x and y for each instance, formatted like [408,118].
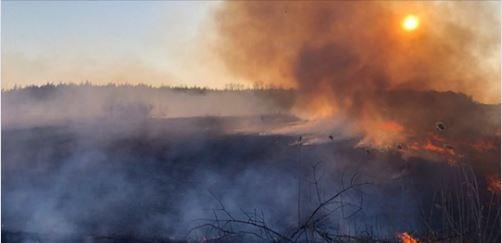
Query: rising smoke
[353,60]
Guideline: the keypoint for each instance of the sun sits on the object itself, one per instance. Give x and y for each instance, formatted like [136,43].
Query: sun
[410,23]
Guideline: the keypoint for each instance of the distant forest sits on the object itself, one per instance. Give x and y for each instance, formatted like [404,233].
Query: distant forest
[51,103]
[228,87]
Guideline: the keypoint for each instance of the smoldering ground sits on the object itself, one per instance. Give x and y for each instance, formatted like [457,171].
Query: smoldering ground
[140,176]
[61,181]
[135,177]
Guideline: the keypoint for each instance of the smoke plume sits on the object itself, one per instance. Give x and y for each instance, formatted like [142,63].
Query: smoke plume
[353,60]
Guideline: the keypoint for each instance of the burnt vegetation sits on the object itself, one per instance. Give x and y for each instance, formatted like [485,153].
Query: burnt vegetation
[201,178]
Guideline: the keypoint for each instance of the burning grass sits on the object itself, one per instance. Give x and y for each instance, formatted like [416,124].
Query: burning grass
[406,238]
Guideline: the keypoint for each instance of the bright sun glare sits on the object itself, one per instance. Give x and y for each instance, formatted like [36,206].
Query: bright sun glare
[410,23]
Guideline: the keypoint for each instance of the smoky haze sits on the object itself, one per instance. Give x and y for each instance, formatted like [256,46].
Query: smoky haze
[55,105]
[72,168]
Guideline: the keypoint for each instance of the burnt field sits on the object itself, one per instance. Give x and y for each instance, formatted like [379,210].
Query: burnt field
[123,172]
[100,182]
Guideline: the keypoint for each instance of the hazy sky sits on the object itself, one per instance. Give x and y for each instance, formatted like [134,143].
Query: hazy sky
[108,41]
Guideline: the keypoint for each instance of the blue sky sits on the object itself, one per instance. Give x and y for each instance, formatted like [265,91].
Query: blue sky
[158,42]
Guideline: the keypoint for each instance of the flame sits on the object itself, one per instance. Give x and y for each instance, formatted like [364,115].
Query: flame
[483,146]
[406,238]
[390,126]
[493,184]
[381,134]
[429,146]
